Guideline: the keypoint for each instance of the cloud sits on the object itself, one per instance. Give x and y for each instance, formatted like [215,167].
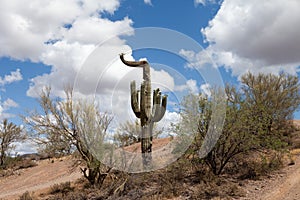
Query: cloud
[256,36]
[190,85]
[5,106]
[148,2]
[12,77]
[197,59]
[9,103]
[204,2]
[93,30]
[73,32]
[25,29]
[25,148]
[72,37]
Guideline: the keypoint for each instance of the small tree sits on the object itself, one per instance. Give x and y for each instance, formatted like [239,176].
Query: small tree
[234,138]
[9,133]
[76,124]
[256,117]
[271,101]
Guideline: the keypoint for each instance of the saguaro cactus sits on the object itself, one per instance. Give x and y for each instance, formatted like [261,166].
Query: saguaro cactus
[141,106]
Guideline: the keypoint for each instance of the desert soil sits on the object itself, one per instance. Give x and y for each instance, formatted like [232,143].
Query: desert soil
[282,185]
[38,178]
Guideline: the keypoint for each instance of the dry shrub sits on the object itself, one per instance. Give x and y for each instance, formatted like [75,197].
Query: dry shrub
[265,164]
[27,196]
[6,172]
[295,140]
[61,188]
[19,163]
[70,196]
[25,164]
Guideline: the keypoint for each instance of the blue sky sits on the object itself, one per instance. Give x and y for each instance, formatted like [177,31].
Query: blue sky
[53,42]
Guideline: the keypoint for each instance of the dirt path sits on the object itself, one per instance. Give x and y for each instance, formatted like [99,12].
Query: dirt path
[284,185]
[289,187]
[37,178]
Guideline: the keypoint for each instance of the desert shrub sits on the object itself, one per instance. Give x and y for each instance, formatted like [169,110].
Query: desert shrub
[295,140]
[27,196]
[61,188]
[10,162]
[261,165]
[26,164]
[16,163]
[69,196]
[72,124]
[6,172]
[269,164]
[9,134]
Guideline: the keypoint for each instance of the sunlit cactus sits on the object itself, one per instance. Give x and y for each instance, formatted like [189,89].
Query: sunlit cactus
[141,106]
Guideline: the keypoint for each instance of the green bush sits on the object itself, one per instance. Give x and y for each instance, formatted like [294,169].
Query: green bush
[258,117]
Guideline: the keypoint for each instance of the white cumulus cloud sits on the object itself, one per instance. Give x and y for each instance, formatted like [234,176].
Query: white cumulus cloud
[190,86]
[10,78]
[5,106]
[61,34]
[256,36]
[9,103]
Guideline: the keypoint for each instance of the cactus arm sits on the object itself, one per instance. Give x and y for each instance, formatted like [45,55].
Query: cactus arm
[164,101]
[156,104]
[132,63]
[159,109]
[155,93]
[135,100]
[144,64]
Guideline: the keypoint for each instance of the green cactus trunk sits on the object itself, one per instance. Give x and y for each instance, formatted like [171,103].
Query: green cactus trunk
[141,106]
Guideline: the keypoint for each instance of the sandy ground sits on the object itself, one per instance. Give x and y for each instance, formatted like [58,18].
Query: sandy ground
[38,178]
[284,185]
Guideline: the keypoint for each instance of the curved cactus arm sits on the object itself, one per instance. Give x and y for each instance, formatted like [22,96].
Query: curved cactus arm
[155,93]
[156,104]
[135,100]
[144,64]
[164,101]
[132,63]
[159,109]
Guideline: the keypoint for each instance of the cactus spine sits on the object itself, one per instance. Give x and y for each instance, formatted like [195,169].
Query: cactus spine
[141,106]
